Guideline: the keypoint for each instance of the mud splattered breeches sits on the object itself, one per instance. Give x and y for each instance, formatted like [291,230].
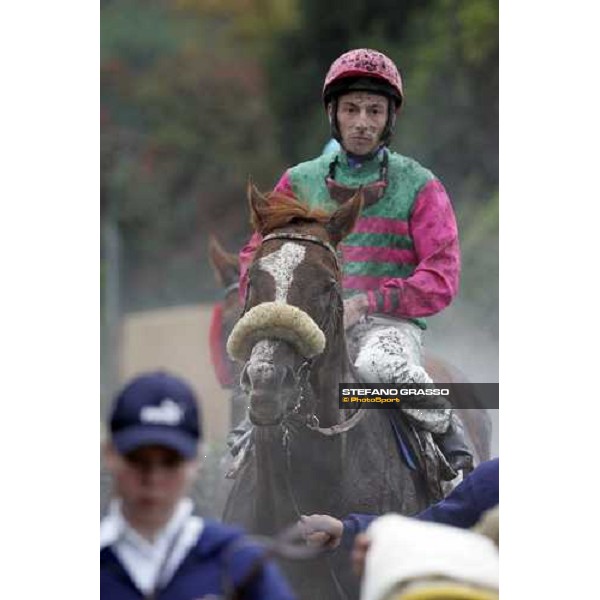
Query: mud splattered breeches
[390,351]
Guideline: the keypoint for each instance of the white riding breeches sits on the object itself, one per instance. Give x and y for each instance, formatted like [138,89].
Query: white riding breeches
[390,351]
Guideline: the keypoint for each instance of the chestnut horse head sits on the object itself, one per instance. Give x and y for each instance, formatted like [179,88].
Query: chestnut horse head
[291,331]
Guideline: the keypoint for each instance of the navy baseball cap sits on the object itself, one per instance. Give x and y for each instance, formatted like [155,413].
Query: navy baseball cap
[156,409]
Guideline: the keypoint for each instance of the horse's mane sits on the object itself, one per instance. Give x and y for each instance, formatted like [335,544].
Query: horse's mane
[280,210]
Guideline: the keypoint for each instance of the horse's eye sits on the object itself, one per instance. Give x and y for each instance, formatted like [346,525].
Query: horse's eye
[326,288]
[332,286]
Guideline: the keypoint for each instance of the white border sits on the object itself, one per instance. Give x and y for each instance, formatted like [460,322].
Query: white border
[548,300]
[50,299]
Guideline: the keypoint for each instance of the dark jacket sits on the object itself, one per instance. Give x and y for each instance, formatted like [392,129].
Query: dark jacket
[220,557]
[463,507]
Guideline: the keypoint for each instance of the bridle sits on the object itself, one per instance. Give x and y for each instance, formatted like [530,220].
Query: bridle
[304,237]
[303,410]
[235,286]
[301,237]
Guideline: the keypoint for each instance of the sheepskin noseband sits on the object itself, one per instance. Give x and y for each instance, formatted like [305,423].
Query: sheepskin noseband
[279,321]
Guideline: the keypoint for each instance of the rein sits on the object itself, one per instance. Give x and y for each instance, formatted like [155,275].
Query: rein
[288,544]
[309,419]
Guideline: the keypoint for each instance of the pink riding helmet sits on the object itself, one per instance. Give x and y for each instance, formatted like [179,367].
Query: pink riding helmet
[364,62]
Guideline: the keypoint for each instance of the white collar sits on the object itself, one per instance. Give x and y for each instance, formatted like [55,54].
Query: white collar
[151,563]
[114,526]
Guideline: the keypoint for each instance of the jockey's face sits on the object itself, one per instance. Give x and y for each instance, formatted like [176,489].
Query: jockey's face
[362,117]
[150,482]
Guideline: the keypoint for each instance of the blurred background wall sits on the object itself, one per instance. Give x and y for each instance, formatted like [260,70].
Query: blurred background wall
[198,94]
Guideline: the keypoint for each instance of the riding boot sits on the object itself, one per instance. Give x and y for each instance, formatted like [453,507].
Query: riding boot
[454,447]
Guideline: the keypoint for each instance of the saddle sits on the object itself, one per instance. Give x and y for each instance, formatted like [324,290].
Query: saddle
[421,453]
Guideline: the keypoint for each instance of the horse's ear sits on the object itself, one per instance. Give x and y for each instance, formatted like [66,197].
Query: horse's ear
[342,221]
[225,264]
[258,203]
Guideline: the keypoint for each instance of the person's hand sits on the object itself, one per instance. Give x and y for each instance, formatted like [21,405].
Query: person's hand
[362,543]
[355,309]
[322,530]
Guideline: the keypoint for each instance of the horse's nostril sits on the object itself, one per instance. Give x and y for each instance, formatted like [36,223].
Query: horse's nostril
[262,375]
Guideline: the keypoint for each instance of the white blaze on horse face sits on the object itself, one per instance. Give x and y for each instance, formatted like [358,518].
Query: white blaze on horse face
[281,266]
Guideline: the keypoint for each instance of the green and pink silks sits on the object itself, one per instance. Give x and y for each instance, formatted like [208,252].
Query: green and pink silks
[404,250]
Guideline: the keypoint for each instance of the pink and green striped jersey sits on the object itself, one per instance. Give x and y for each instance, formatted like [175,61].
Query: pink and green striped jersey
[403,251]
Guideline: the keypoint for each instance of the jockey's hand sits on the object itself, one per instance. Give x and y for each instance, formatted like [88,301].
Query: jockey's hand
[322,531]
[355,309]
[362,543]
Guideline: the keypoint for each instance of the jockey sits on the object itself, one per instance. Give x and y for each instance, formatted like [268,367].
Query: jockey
[151,543]
[402,261]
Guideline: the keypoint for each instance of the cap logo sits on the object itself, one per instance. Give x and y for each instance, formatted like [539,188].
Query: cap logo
[168,412]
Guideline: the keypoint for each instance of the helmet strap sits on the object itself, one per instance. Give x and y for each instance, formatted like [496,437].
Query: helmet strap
[333,122]
[388,130]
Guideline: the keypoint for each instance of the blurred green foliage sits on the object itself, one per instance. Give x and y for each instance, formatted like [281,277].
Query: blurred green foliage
[184,122]
[199,94]
[478,228]
[447,51]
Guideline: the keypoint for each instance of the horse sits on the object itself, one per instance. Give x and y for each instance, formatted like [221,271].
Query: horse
[225,315]
[310,455]
[227,312]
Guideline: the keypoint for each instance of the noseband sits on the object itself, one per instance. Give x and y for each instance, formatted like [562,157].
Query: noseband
[304,237]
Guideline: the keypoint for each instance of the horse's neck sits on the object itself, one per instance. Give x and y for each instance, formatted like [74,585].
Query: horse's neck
[271,467]
[300,476]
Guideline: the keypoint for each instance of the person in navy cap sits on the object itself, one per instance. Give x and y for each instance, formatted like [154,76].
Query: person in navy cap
[152,545]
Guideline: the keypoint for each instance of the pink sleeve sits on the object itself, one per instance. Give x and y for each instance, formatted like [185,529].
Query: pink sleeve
[284,186]
[435,281]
